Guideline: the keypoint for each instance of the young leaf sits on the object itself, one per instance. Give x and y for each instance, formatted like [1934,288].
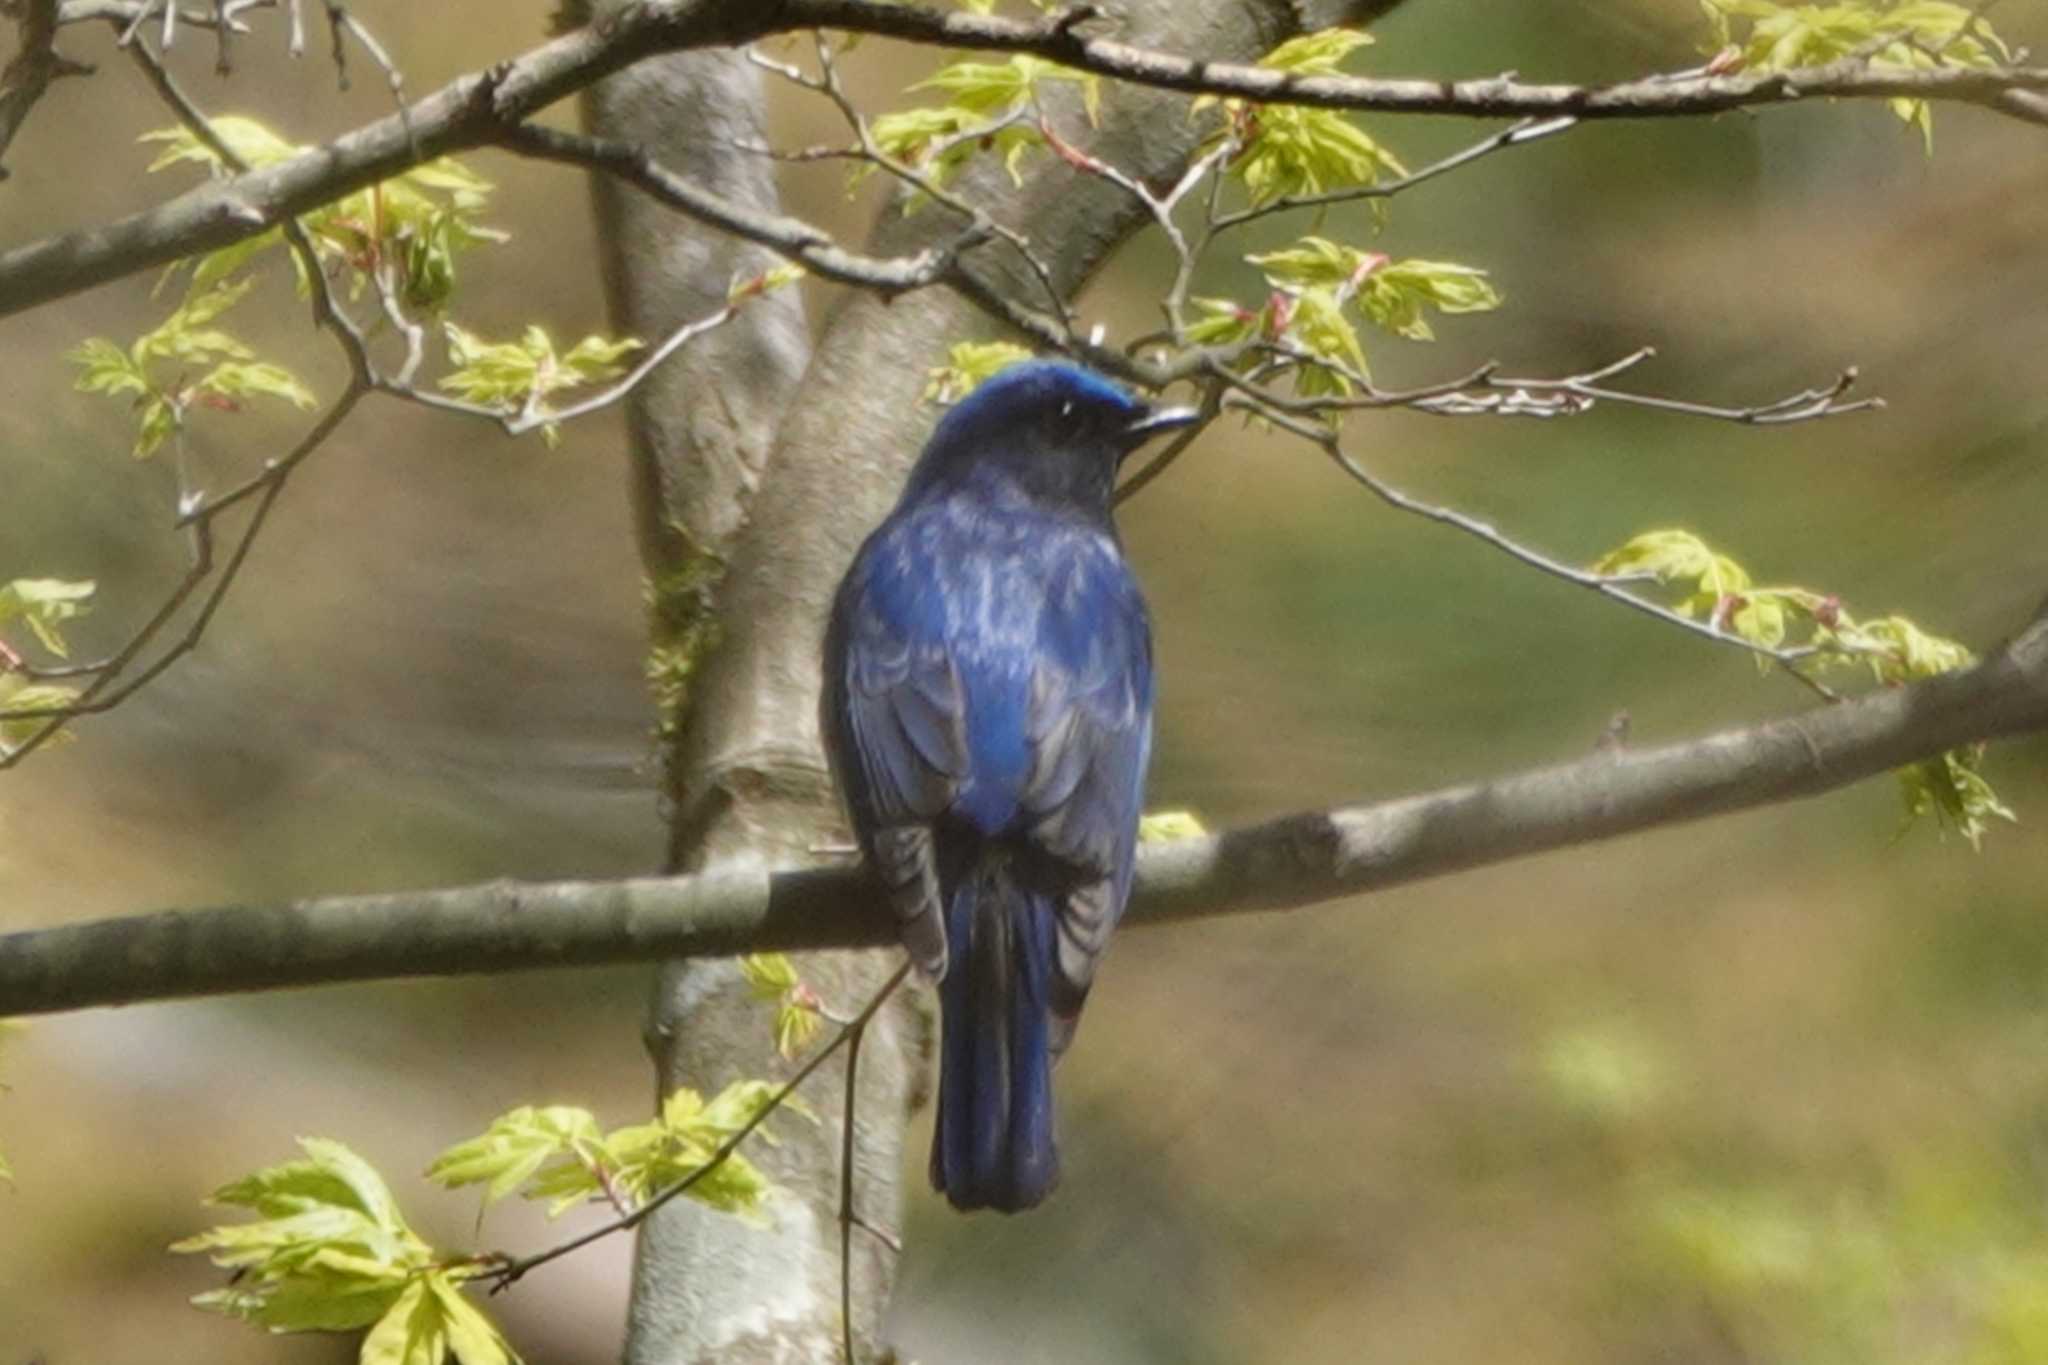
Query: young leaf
[1893,649]
[44,604]
[989,109]
[519,376]
[515,1146]
[472,1338]
[330,1249]
[1289,151]
[1166,826]
[16,695]
[1396,295]
[1916,34]
[968,365]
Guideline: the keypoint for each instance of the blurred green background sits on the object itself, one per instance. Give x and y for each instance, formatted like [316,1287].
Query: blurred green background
[1770,1088]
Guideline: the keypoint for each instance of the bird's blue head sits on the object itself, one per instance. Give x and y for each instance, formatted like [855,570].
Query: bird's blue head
[1051,429]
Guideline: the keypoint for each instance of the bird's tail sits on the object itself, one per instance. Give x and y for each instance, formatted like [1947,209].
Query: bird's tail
[993,1147]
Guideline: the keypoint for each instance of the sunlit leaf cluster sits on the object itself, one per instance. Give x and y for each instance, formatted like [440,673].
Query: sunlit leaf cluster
[1921,35]
[518,377]
[416,223]
[991,107]
[1291,151]
[182,363]
[330,1251]
[560,1154]
[1321,290]
[1891,649]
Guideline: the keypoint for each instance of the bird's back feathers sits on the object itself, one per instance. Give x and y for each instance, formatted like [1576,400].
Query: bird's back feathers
[988,706]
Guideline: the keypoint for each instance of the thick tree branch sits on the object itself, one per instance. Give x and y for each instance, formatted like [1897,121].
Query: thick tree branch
[1294,861]
[476,110]
[1058,38]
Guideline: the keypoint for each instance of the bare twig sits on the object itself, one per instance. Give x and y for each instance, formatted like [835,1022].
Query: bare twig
[854,1033]
[808,246]
[1520,135]
[1331,444]
[1212,403]
[531,416]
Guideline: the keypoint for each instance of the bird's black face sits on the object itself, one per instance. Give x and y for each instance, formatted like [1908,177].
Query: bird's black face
[1055,430]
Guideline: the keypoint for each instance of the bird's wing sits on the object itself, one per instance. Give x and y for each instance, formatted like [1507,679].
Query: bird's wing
[1090,726]
[896,715]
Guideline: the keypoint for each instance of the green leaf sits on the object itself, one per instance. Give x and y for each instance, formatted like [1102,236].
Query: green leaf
[987,89]
[1321,53]
[1915,34]
[1950,788]
[1318,325]
[519,376]
[107,369]
[1291,151]
[968,365]
[939,141]
[1395,295]
[45,604]
[242,379]
[329,1250]
[1166,826]
[1295,152]
[1894,650]
[412,1332]
[472,1337]
[1223,323]
[769,975]
[16,695]
[767,282]
[515,1147]
[246,137]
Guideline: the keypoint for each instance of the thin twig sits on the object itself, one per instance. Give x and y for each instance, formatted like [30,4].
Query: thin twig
[1330,443]
[1520,135]
[855,1032]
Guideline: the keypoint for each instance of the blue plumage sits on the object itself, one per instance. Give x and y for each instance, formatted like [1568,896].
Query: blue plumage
[988,709]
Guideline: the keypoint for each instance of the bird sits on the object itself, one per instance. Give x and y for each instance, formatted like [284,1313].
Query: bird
[987,712]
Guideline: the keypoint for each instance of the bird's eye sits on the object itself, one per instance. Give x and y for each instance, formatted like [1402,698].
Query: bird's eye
[1067,409]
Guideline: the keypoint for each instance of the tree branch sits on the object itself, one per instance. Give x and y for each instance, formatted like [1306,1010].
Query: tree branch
[34,66]
[1294,861]
[475,110]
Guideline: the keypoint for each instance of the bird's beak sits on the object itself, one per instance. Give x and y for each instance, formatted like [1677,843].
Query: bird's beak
[1158,420]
